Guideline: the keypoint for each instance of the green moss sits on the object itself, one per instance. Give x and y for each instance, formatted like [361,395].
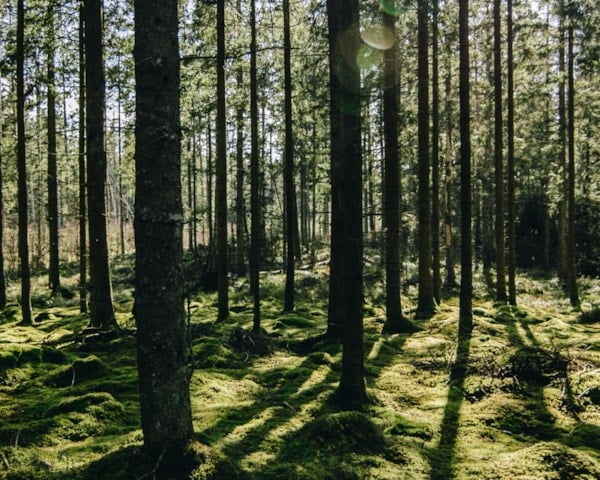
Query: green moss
[81,370]
[410,428]
[584,435]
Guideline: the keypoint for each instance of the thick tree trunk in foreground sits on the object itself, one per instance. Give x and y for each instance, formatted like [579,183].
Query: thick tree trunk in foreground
[101,307]
[346,282]
[162,346]
[83,307]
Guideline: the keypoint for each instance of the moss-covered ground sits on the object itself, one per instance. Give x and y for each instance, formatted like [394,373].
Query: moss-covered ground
[527,405]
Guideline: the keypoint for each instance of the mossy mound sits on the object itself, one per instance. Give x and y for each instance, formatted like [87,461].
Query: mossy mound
[81,370]
[529,420]
[547,460]
[344,432]
[537,366]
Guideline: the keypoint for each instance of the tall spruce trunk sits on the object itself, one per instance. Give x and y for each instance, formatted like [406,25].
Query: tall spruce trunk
[2,274]
[221,172]
[52,180]
[101,307]
[255,179]
[498,160]
[510,150]
[163,350]
[450,281]
[435,155]
[81,165]
[571,253]
[291,213]
[23,220]
[394,319]
[346,282]
[425,301]
[465,322]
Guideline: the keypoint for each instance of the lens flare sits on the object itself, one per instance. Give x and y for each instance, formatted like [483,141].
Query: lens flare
[378,36]
[368,57]
[389,7]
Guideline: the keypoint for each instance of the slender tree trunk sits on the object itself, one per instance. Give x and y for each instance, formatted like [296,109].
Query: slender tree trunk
[121,202]
[394,320]
[465,323]
[450,281]
[562,155]
[101,307]
[510,109]
[498,160]
[221,172]
[2,274]
[240,204]
[52,180]
[435,156]
[163,350]
[426,302]
[255,208]
[22,171]
[346,282]
[83,306]
[288,173]
[209,188]
[571,254]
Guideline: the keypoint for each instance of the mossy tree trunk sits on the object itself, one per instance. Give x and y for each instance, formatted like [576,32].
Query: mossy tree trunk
[2,275]
[101,307]
[346,281]
[162,347]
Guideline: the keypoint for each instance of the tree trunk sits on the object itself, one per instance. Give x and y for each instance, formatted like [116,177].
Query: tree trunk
[346,282]
[22,171]
[101,307]
[562,155]
[450,281]
[510,128]
[288,169]
[465,323]
[83,306]
[255,179]
[498,160]
[571,254]
[435,157]
[240,204]
[2,274]
[394,320]
[52,180]
[162,344]
[221,172]
[426,302]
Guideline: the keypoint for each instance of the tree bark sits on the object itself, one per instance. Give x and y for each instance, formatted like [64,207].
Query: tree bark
[2,274]
[22,171]
[435,156]
[101,307]
[291,212]
[52,180]
[510,109]
[465,322]
[394,320]
[221,172]
[255,179]
[346,282]
[571,253]
[162,350]
[83,305]
[426,302]
[498,160]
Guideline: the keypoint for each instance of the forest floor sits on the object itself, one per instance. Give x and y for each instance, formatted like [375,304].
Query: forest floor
[526,407]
